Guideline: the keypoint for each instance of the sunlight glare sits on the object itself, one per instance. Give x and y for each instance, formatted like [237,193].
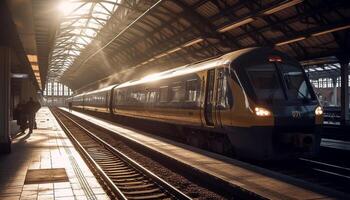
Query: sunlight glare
[65,7]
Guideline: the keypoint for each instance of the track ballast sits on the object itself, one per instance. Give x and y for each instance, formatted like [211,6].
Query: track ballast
[125,178]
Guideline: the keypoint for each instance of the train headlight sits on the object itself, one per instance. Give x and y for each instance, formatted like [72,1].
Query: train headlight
[318,110]
[262,112]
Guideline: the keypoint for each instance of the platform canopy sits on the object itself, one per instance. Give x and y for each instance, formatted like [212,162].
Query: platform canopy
[114,40]
[80,22]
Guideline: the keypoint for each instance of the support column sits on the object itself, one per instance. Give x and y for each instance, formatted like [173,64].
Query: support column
[335,93]
[344,95]
[5,69]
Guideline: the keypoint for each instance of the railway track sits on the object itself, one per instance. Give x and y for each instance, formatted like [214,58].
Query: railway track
[317,172]
[125,178]
[333,173]
[305,171]
[328,169]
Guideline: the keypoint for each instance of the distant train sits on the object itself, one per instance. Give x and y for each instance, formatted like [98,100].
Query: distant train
[259,99]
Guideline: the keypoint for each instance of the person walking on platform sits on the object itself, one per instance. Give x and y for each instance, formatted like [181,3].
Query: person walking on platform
[31,108]
[21,116]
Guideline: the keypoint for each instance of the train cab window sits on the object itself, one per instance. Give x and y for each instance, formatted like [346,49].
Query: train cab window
[265,82]
[297,87]
[191,90]
[163,96]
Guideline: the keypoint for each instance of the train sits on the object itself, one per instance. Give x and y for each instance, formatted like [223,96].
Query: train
[257,101]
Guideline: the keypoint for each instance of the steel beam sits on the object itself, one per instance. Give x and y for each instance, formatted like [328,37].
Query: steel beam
[344,90]
[5,69]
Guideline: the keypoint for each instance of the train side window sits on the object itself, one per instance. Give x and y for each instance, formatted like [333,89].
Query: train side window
[152,96]
[116,97]
[132,97]
[141,97]
[163,94]
[177,93]
[191,90]
[124,97]
[121,98]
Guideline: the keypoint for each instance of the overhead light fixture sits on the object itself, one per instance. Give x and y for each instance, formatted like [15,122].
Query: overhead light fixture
[19,75]
[290,41]
[331,30]
[235,25]
[161,55]
[33,59]
[282,6]
[192,42]
[35,67]
[174,50]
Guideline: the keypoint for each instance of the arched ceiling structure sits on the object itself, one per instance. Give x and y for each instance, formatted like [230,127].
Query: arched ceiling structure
[143,36]
[80,22]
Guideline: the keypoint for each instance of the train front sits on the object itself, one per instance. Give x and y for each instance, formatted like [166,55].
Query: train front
[285,106]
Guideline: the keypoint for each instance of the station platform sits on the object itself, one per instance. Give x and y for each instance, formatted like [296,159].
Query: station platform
[261,182]
[335,144]
[44,165]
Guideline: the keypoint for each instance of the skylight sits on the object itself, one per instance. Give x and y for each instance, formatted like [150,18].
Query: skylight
[80,23]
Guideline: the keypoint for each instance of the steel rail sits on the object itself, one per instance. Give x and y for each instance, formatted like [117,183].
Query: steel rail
[279,173]
[91,161]
[177,194]
[327,168]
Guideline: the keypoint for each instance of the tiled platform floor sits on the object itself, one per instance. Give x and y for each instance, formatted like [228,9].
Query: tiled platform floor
[46,147]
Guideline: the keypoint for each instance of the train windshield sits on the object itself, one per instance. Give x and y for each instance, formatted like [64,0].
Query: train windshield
[278,82]
[295,80]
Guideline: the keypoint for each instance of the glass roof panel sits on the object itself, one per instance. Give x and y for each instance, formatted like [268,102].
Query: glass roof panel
[80,23]
[94,25]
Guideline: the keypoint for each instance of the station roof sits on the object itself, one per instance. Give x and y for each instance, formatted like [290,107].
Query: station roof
[120,39]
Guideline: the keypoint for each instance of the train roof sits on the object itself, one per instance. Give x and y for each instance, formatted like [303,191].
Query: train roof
[95,91]
[189,68]
[101,89]
[183,70]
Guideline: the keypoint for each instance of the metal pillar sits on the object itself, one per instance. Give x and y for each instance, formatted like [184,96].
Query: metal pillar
[344,94]
[5,69]
[335,93]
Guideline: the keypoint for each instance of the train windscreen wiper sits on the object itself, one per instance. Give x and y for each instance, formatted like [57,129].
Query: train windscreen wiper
[305,98]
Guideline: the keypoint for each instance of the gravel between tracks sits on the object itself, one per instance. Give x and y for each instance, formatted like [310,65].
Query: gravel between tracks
[185,185]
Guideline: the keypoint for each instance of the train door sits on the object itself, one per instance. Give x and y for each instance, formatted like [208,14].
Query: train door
[220,94]
[107,98]
[110,101]
[83,101]
[209,98]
